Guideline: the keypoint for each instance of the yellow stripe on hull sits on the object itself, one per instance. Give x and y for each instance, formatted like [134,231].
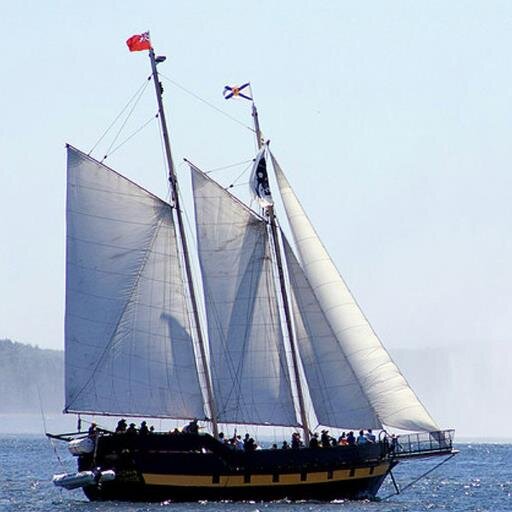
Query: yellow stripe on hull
[314,477]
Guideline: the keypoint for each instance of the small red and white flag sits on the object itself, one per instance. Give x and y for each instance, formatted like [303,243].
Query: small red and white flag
[139,42]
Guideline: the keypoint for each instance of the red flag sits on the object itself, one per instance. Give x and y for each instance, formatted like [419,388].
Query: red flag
[139,42]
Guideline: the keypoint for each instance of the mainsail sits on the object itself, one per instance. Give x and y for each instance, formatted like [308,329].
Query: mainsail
[129,348]
[248,362]
[388,392]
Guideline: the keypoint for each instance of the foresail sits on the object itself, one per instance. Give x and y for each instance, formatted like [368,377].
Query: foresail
[337,396]
[129,348]
[248,362]
[388,392]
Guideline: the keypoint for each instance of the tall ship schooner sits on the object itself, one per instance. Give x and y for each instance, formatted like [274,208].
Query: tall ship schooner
[285,344]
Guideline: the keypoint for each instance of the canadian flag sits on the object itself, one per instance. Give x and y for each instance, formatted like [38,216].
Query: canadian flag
[139,42]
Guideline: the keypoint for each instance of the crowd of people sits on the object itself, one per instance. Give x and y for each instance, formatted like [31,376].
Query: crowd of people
[326,441]
[247,443]
[317,441]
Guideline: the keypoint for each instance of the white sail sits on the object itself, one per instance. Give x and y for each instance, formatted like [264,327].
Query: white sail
[337,396]
[248,362]
[388,392]
[129,348]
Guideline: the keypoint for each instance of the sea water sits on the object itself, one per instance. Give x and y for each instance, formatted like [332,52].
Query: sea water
[479,478]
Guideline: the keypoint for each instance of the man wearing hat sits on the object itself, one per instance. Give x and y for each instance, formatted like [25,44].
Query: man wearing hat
[325,439]
[121,426]
[131,429]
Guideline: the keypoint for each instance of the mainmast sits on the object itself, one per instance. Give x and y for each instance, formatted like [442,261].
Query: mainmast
[269,211]
[186,257]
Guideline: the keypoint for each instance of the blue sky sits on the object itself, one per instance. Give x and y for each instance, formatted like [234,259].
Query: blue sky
[391,119]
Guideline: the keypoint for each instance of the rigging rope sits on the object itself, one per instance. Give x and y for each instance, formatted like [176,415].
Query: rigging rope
[239,176]
[136,102]
[46,430]
[152,118]
[52,444]
[211,105]
[139,91]
[400,491]
[216,169]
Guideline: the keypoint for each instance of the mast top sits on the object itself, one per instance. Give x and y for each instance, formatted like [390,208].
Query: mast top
[257,129]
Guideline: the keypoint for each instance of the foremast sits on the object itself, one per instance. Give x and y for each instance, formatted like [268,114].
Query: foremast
[274,232]
[175,199]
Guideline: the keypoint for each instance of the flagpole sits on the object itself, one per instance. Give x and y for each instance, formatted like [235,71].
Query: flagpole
[269,211]
[186,257]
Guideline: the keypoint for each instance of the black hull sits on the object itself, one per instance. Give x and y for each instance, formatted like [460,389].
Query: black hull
[176,468]
[358,489]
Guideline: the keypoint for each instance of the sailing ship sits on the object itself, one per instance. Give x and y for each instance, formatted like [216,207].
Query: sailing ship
[285,344]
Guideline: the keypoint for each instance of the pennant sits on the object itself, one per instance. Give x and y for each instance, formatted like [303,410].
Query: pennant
[236,92]
[259,180]
[139,42]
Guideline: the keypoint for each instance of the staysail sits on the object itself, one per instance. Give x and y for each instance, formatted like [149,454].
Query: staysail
[337,396]
[388,392]
[248,362]
[129,342]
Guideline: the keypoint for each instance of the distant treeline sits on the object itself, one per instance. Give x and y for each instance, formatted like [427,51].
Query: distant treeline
[451,382]
[30,377]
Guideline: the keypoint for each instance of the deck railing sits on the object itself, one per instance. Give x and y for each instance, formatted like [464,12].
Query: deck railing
[422,444]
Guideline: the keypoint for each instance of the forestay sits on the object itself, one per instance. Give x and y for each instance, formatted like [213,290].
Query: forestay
[129,348]
[388,392]
[337,396]
[248,363]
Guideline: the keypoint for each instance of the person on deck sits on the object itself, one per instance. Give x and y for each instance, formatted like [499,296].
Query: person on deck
[250,446]
[92,432]
[296,441]
[351,440]
[313,442]
[192,427]
[132,430]
[143,430]
[370,436]
[361,438]
[394,446]
[325,439]
[342,440]
[285,445]
[121,426]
